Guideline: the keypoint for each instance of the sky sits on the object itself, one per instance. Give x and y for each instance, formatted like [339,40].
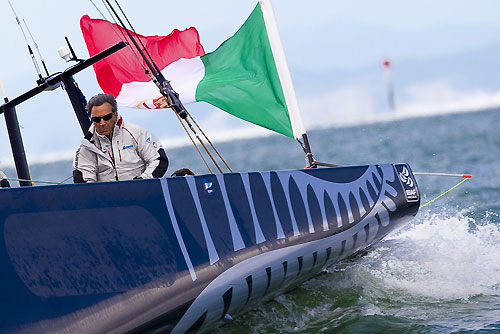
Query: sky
[324,36]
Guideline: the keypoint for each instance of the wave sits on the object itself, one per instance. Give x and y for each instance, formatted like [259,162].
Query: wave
[443,257]
[445,263]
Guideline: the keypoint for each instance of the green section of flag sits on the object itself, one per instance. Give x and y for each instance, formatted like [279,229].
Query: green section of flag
[241,78]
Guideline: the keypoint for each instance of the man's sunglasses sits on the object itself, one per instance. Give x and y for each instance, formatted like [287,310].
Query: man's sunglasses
[97,119]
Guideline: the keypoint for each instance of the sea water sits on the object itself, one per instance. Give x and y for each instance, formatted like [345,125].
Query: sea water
[440,274]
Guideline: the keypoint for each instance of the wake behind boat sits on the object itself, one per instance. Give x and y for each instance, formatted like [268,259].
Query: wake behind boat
[182,254]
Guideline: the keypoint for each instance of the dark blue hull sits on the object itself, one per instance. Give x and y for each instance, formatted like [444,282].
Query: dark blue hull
[178,254]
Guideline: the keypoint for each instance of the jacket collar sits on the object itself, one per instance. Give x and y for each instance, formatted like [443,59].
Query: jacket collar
[119,122]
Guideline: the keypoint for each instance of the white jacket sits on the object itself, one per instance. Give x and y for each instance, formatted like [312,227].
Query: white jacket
[133,153]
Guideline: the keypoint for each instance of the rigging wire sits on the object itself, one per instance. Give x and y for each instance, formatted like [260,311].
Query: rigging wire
[154,68]
[203,144]
[123,36]
[194,143]
[447,191]
[168,99]
[137,36]
[209,141]
[467,176]
[146,60]
[32,181]
[18,22]
[36,48]
[33,58]
[66,179]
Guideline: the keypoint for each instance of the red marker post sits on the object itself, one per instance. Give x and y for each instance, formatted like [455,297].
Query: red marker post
[387,66]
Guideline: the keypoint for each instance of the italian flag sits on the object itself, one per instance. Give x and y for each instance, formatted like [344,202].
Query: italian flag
[246,76]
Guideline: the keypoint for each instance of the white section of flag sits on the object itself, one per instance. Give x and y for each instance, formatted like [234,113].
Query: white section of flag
[184,76]
[282,68]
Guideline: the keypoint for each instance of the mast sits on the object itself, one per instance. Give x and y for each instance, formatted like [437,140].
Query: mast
[387,65]
[16,144]
[77,101]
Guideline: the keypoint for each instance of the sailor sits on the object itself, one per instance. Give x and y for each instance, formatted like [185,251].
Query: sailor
[4,183]
[182,172]
[116,150]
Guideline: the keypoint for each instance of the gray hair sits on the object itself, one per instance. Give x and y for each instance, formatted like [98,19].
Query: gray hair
[100,99]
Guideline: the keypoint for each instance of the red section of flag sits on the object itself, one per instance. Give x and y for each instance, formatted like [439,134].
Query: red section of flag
[123,67]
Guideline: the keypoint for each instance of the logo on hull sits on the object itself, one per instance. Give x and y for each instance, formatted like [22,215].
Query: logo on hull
[408,183]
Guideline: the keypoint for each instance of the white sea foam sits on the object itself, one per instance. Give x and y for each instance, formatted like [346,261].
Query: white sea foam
[370,309]
[442,258]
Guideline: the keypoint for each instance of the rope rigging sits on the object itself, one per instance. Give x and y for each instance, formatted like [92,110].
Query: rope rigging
[171,97]
[37,181]
[447,191]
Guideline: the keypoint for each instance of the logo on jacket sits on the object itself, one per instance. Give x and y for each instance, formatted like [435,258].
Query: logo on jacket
[127,147]
[148,140]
